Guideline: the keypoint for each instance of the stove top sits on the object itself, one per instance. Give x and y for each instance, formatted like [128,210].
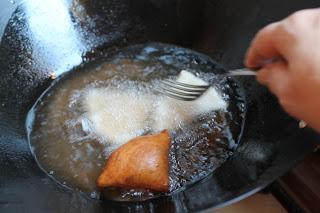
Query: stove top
[296,191]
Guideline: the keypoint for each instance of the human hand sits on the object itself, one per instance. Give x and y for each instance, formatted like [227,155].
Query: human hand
[295,79]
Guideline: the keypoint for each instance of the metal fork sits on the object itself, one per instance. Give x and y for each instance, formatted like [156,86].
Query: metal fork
[188,92]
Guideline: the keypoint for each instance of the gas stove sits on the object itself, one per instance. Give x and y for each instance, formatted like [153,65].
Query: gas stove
[296,191]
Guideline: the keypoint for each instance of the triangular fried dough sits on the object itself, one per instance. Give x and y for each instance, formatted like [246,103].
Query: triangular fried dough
[142,163]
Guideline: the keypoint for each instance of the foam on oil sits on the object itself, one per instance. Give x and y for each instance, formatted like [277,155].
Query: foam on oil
[69,148]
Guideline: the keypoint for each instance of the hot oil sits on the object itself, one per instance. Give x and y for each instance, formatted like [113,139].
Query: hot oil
[67,150]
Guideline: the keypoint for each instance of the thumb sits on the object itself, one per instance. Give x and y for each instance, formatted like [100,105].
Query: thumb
[276,77]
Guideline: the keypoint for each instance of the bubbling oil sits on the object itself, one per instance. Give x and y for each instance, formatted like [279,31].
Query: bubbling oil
[66,148]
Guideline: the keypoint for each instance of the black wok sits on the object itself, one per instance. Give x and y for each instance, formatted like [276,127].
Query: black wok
[42,36]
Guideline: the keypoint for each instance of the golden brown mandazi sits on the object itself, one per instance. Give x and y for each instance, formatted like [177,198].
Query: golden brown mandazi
[142,163]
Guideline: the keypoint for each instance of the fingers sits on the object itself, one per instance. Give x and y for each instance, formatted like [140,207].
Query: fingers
[281,39]
[276,77]
[271,42]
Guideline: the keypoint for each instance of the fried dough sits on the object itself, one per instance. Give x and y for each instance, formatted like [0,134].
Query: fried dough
[142,163]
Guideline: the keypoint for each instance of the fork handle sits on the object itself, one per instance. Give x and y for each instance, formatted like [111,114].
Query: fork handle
[252,72]
[241,72]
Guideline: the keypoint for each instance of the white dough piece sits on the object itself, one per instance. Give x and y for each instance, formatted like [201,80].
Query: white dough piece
[117,115]
[189,78]
[170,113]
[120,115]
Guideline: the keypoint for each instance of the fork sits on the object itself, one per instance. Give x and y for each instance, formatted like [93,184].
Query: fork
[189,92]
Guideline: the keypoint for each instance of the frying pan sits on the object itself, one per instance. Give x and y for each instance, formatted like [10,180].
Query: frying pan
[39,37]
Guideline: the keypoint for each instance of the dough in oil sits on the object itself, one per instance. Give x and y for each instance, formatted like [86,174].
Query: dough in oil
[142,163]
[118,115]
[170,113]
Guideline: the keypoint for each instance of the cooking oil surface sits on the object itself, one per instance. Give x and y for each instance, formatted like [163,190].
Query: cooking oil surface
[73,152]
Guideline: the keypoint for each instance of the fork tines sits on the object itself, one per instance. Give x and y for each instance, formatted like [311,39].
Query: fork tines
[182,91]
